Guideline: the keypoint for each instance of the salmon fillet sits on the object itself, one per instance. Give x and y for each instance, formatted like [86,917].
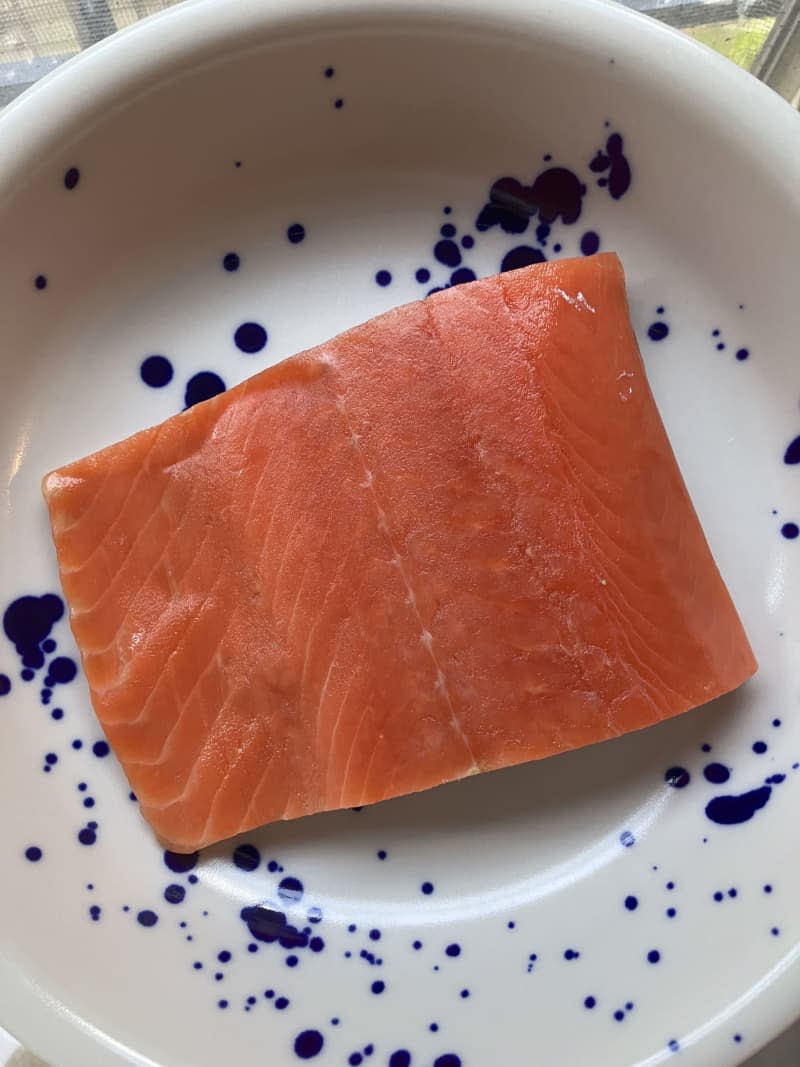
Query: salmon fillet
[452,539]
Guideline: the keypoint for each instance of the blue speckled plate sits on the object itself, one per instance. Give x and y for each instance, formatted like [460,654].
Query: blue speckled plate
[227,184]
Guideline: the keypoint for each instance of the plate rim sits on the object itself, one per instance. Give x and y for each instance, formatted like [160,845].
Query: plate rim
[33,125]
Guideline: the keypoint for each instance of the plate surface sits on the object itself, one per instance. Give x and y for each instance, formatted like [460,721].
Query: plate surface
[233,164]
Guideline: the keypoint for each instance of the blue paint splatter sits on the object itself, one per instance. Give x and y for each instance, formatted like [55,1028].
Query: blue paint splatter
[27,622]
[677,777]
[156,371]
[792,453]
[716,773]
[202,386]
[732,810]
[250,337]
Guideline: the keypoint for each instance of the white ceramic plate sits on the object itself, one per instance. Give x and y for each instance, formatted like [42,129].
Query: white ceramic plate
[600,914]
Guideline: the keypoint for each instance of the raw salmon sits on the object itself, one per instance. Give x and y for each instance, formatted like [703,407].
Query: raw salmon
[449,540]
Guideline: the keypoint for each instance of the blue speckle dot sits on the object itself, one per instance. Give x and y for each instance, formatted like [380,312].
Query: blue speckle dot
[453,950]
[77,744]
[296,233]
[156,371]
[737,1038]
[381,854]
[571,954]
[719,896]
[57,714]
[423,275]
[590,243]
[589,1003]
[670,886]
[427,888]
[95,912]
[768,889]
[33,853]
[776,723]
[467,241]
[378,987]
[51,758]
[462,276]
[792,453]
[292,961]
[71,178]
[447,230]
[447,252]
[179,862]
[715,333]
[790,530]
[101,749]
[721,346]
[677,777]
[27,674]
[434,1028]
[5,685]
[223,1004]
[88,802]
[417,946]
[626,839]
[174,894]
[355,1059]
[147,918]
[671,913]
[760,747]
[653,956]
[202,386]
[290,889]
[61,671]
[657,331]
[511,924]
[742,353]
[87,836]
[674,1046]
[631,903]
[374,935]
[383,278]
[231,261]
[40,282]
[619,1015]
[716,773]
[400,1058]
[338,103]
[308,1044]
[329,72]
[775,931]
[250,337]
